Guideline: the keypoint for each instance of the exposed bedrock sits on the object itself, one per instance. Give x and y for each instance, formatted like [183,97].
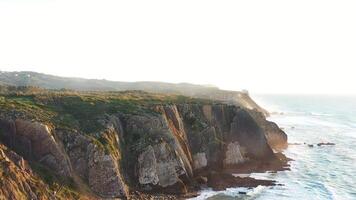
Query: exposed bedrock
[172,146]
[276,137]
[96,165]
[35,141]
[162,149]
[17,179]
[158,147]
[70,154]
[223,135]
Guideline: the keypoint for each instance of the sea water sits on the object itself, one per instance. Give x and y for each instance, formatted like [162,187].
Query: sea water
[318,172]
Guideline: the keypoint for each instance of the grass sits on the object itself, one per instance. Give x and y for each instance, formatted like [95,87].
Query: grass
[82,110]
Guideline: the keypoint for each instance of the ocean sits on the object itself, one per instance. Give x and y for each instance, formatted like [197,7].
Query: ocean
[318,172]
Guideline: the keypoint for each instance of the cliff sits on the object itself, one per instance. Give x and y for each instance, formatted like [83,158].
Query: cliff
[126,144]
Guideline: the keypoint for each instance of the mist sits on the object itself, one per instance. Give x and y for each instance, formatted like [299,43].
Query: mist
[304,47]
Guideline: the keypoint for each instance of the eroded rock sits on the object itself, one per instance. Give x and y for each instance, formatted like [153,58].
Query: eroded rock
[233,155]
[276,137]
[93,165]
[17,179]
[199,161]
[221,181]
[104,177]
[35,141]
[159,165]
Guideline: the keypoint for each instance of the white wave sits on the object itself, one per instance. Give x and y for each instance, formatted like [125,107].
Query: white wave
[232,192]
[320,114]
[204,194]
[256,191]
[261,176]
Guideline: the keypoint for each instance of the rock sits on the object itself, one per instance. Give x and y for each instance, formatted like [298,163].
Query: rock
[165,149]
[221,181]
[296,143]
[246,130]
[241,192]
[158,165]
[176,126]
[233,154]
[35,141]
[101,171]
[17,179]
[326,144]
[210,129]
[276,137]
[199,161]
[310,145]
[202,180]
[147,170]
[104,177]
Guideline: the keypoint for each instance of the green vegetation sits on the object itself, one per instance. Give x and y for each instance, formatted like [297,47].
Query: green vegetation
[83,111]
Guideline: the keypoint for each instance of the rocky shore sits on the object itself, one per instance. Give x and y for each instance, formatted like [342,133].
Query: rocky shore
[157,150]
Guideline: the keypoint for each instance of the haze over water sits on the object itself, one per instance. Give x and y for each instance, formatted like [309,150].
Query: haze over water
[325,172]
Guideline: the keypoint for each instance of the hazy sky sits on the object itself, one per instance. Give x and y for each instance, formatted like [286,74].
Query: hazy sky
[303,46]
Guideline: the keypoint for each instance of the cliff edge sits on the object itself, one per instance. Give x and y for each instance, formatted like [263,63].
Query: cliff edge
[106,145]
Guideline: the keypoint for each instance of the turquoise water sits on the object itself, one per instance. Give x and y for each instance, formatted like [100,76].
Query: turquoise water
[326,172]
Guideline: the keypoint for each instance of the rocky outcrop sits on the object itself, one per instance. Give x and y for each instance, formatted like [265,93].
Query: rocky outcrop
[233,154]
[34,141]
[221,181]
[69,155]
[171,146]
[17,179]
[100,170]
[158,145]
[276,137]
[159,165]
[199,161]
[222,132]
[104,177]
[161,149]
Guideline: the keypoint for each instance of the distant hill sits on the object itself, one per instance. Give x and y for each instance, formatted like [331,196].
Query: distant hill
[28,78]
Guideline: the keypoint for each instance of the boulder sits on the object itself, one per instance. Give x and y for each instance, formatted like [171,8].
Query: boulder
[199,161]
[233,154]
[159,165]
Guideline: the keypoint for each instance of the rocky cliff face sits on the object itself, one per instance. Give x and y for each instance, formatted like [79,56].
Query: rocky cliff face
[276,137]
[34,141]
[161,150]
[17,179]
[88,159]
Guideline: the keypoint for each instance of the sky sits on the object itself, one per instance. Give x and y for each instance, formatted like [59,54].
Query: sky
[274,46]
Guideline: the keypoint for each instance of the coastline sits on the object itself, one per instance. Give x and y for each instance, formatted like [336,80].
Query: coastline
[160,146]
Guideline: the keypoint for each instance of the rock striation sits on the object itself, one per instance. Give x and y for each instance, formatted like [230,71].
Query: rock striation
[17,179]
